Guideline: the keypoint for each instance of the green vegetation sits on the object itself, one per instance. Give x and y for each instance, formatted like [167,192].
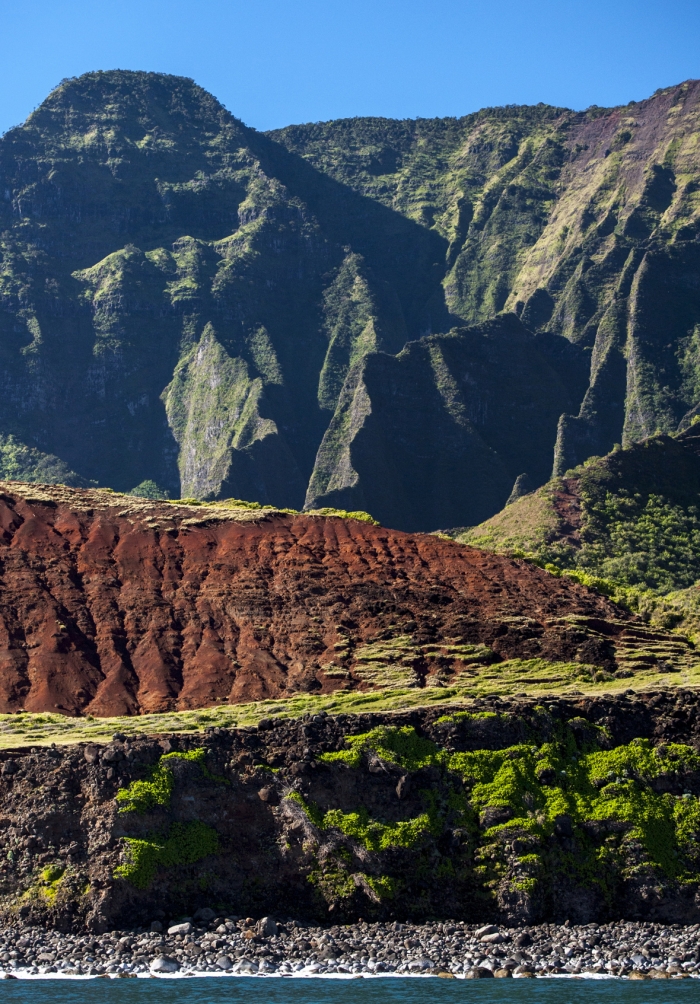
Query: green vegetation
[638,539]
[19,462]
[156,789]
[149,490]
[184,844]
[258,328]
[359,514]
[401,746]
[528,793]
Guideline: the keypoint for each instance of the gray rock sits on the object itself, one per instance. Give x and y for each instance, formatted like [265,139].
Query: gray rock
[164,964]
[223,962]
[267,927]
[205,914]
[245,966]
[185,928]
[493,815]
[487,929]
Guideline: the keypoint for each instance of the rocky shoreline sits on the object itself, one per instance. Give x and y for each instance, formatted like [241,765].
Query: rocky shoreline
[217,945]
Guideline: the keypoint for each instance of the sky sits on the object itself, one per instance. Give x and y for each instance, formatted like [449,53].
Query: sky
[277,62]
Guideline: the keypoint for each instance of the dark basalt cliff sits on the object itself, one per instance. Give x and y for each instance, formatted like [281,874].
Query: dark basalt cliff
[190,307]
[580,809]
[113,605]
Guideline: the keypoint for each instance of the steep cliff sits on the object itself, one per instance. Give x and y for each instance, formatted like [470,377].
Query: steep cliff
[515,811]
[188,302]
[585,224]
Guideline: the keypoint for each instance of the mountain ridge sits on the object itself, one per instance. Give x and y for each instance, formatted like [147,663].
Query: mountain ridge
[186,301]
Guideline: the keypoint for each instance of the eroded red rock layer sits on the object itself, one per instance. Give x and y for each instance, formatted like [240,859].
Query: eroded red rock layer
[111,605]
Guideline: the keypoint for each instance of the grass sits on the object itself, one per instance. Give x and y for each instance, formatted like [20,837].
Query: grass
[526,677]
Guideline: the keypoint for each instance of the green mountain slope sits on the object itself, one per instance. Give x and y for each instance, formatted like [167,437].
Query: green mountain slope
[628,523]
[307,316]
[585,224]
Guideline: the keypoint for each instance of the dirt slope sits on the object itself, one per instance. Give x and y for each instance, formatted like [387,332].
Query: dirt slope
[114,605]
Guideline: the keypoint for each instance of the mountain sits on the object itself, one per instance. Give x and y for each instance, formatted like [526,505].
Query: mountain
[400,317]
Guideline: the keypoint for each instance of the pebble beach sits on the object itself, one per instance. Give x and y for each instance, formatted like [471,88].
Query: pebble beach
[208,944]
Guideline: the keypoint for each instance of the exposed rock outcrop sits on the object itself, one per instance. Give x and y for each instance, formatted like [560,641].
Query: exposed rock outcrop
[116,605]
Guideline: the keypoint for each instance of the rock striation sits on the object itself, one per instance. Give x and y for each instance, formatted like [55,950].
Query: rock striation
[113,605]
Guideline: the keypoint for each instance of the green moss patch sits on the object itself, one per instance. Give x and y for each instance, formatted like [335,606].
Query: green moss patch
[397,745]
[606,800]
[156,789]
[184,844]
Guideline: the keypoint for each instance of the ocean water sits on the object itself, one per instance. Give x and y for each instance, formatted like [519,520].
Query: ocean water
[360,991]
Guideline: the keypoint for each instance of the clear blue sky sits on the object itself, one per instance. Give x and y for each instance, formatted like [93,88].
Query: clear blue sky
[274,62]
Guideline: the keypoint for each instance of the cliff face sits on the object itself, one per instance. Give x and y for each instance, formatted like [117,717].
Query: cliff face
[114,605]
[188,302]
[584,224]
[580,809]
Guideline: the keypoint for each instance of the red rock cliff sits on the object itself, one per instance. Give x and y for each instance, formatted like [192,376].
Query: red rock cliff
[115,605]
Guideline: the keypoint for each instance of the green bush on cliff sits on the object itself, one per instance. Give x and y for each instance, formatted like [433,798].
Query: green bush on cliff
[149,490]
[185,844]
[373,835]
[156,789]
[397,745]
[530,791]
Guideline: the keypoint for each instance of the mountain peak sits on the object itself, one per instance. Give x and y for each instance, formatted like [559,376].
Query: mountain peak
[134,102]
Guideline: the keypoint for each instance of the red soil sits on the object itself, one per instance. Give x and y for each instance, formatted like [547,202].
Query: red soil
[111,605]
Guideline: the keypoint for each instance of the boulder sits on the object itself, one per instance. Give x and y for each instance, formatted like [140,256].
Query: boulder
[164,964]
[269,795]
[185,928]
[266,927]
[245,966]
[223,962]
